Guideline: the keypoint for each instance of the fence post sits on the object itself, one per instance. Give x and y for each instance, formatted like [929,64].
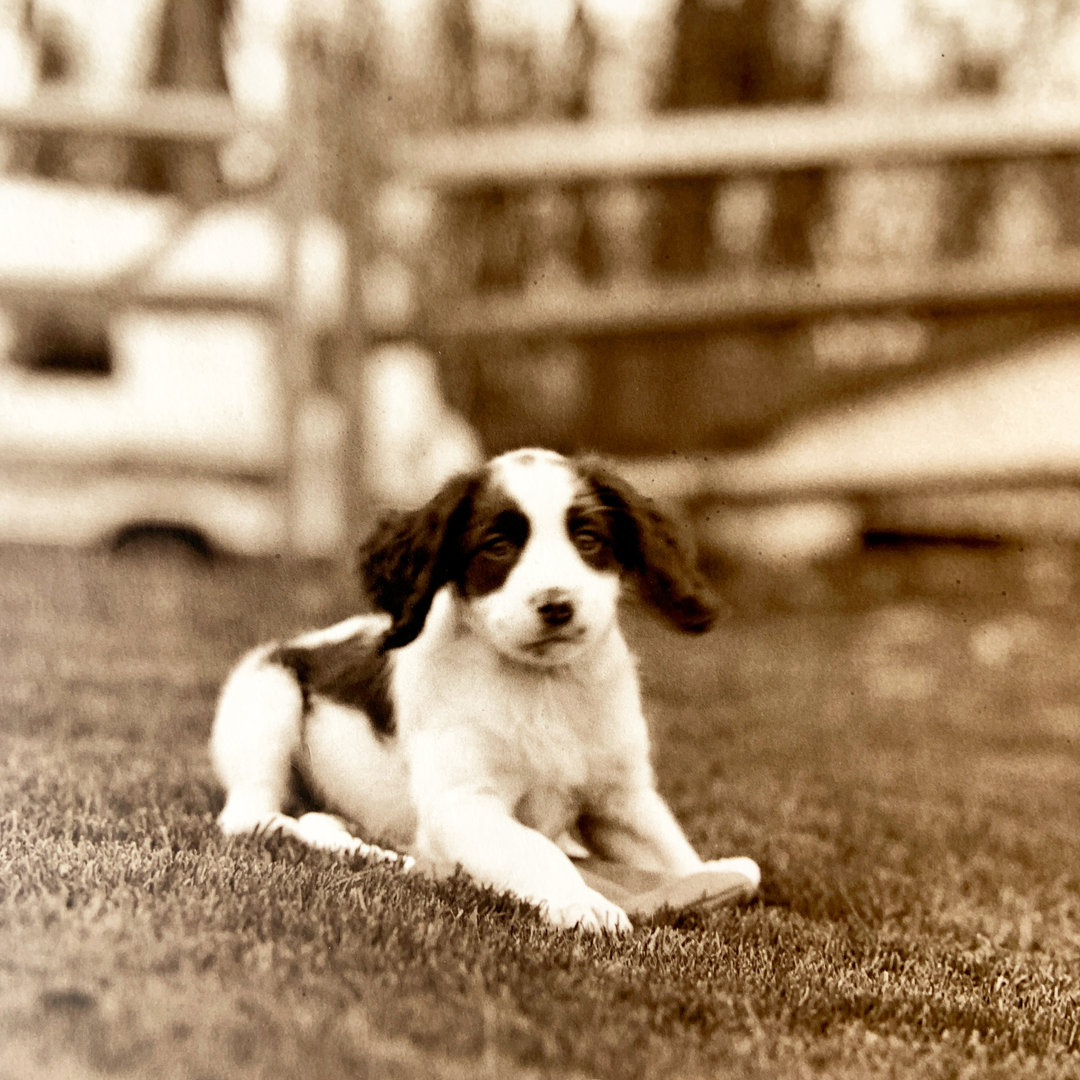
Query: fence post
[294,203]
[354,85]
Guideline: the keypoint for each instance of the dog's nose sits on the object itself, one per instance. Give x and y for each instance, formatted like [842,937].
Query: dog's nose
[556,613]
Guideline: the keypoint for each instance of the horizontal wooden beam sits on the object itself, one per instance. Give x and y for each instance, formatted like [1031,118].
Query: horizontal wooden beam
[635,306]
[770,297]
[710,475]
[766,139]
[46,292]
[182,116]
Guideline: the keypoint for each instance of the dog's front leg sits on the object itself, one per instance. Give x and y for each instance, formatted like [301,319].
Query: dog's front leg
[635,826]
[477,831]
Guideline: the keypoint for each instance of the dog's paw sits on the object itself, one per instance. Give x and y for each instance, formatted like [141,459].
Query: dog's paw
[330,833]
[590,911]
[326,832]
[739,864]
[240,820]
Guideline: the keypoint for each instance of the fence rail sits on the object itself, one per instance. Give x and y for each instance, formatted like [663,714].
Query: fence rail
[766,139]
[627,306]
[700,143]
[178,115]
[28,293]
[688,144]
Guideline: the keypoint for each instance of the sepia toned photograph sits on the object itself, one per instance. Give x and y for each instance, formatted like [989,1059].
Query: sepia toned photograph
[539,539]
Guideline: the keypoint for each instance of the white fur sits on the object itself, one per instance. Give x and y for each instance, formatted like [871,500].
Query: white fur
[549,567]
[502,747]
[255,739]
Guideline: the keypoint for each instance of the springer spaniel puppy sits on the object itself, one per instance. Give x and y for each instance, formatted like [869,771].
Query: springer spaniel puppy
[490,712]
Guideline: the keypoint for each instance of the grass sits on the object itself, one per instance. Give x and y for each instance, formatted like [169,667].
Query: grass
[898,748]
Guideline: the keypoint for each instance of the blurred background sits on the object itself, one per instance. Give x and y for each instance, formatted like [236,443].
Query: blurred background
[807,269]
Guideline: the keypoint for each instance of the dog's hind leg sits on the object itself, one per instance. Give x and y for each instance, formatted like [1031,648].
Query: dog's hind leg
[258,729]
[256,734]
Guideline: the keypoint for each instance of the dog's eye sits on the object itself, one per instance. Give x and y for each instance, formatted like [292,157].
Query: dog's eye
[588,541]
[498,548]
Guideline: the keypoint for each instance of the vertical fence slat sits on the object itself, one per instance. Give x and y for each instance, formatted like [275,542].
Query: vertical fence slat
[293,353]
[359,170]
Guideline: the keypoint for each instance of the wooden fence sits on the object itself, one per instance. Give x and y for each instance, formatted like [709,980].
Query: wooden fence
[762,140]
[737,299]
[705,143]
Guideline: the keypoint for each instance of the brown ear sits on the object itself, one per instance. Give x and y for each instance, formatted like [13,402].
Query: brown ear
[410,556]
[649,548]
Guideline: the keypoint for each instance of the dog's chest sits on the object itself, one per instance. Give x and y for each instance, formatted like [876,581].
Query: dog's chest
[557,742]
[546,742]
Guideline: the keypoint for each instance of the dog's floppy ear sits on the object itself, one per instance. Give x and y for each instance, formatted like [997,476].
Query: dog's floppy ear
[647,545]
[409,557]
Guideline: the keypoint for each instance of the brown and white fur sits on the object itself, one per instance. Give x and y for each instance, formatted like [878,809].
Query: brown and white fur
[491,709]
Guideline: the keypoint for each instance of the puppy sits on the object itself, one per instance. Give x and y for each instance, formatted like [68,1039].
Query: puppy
[491,709]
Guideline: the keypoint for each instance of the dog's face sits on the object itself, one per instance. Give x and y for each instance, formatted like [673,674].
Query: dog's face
[537,568]
[534,547]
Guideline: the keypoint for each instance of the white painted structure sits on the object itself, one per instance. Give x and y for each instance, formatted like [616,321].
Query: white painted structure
[188,428]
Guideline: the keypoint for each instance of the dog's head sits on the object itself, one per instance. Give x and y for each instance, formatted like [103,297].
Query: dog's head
[534,547]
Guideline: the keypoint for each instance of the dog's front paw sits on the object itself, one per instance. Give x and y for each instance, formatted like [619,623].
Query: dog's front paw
[590,911]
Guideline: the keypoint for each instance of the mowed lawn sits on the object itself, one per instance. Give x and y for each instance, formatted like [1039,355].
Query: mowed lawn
[899,748]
